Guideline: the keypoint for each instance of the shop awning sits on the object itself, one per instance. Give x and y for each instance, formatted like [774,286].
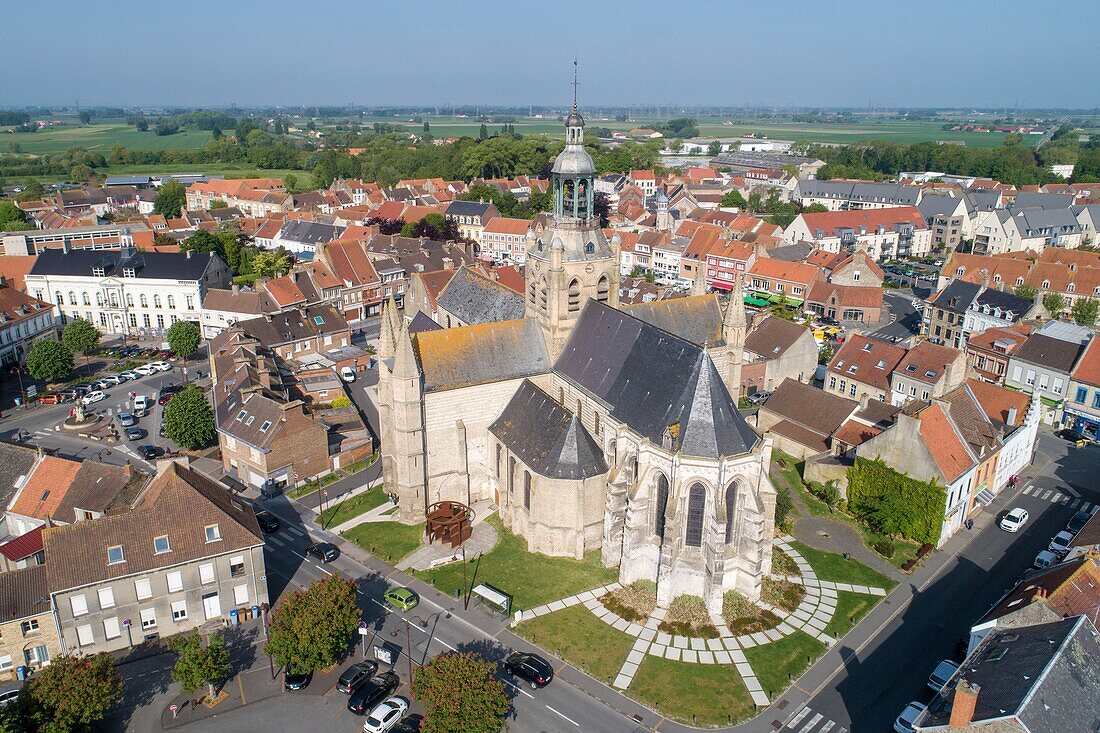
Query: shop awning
[718,285]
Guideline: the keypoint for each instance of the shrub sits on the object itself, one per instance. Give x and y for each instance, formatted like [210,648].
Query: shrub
[782,594]
[688,616]
[633,602]
[341,402]
[742,616]
[893,503]
[782,563]
[828,493]
[924,550]
[784,509]
[884,546]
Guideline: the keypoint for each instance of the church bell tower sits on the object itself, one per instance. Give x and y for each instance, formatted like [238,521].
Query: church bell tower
[572,261]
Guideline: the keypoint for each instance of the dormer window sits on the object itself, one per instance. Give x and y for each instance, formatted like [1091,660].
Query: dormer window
[128,272]
[910,368]
[867,347]
[1071,288]
[115,555]
[960,271]
[1019,281]
[213,534]
[98,272]
[852,368]
[1046,284]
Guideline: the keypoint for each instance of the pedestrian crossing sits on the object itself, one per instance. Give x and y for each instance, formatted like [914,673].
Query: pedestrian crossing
[807,721]
[1060,497]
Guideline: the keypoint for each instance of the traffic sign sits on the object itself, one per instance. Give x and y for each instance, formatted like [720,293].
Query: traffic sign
[362,624]
[325,492]
[32,390]
[125,622]
[173,707]
[364,631]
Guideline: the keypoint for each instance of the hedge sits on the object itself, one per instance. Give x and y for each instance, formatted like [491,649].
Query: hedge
[894,503]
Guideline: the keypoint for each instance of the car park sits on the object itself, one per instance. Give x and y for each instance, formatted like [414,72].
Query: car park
[102,384]
[1078,522]
[294,681]
[355,675]
[372,692]
[531,667]
[141,404]
[93,397]
[904,722]
[1014,519]
[386,715]
[941,674]
[268,522]
[1059,544]
[126,420]
[324,551]
[401,597]
[134,433]
[111,380]
[1044,560]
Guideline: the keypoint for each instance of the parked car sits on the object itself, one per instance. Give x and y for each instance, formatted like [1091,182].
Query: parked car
[126,420]
[51,398]
[162,434]
[758,398]
[372,692]
[347,374]
[531,667]
[150,452]
[1059,544]
[268,522]
[386,715]
[324,551]
[1073,436]
[1044,560]
[93,397]
[111,380]
[1078,521]
[167,393]
[134,433]
[904,722]
[1014,519]
[7,697]
[129,374]
[161,366]
[355,675]
[145,370]
[941,674]
[402,598]
[141,404]
[294,681]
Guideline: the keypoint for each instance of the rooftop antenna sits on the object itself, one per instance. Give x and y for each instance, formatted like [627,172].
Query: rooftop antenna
[575,84]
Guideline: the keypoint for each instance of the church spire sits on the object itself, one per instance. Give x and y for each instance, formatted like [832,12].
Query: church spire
[404,361]
[734,326]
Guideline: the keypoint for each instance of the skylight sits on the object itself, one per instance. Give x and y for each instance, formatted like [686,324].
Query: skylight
[264,427]
[318,320]
[910,368]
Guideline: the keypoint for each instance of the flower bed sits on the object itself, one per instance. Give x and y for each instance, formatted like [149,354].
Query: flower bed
[688,616]
[633,602]
[782,594]
[742,616]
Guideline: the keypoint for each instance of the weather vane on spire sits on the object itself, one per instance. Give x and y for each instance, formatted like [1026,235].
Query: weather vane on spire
[575,83]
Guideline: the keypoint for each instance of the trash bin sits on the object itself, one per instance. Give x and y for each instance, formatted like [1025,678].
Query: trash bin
[21,673]
[233,617]
[255,612]
[18,401]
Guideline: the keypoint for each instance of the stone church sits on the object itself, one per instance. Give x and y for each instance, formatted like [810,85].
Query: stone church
[590,426]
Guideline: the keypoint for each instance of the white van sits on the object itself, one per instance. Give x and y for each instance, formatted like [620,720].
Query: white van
[347,374]
[141,404]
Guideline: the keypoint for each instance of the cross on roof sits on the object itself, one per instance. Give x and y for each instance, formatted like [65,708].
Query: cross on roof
[575,84]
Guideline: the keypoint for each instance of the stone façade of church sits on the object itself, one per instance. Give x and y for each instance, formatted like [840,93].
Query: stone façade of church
[591,427]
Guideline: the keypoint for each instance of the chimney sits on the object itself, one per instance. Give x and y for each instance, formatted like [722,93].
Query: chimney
[963,704]
[188,254]
[448,263]
[66,245]
[236,288]
[864,401]
[1011,416]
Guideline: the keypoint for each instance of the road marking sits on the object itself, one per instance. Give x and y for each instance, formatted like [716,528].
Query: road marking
[563,716]
[813,721]
[275,541]
[1027,491]
[1075,503]
[295,531]
[326,572]
[518,689]
[1046,495]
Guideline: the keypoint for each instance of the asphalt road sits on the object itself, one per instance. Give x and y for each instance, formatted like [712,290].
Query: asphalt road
[878,680]
[904,318]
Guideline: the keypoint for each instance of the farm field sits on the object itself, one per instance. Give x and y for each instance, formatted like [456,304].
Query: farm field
[100,137]
[226,170]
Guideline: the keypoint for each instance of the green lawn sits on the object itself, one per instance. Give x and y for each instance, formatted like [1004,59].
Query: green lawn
[226,170]
[342,511]
[778,664]
[850,608]
[532,579]
[580,638]
[831,566]
[713,693]
[389,541]
[100,138]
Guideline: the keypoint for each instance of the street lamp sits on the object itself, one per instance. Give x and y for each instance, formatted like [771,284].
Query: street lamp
[98,455]
[408,642]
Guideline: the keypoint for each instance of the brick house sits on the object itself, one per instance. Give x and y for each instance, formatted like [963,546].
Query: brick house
[28,635]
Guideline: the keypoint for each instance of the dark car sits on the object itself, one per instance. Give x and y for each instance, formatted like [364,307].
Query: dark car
[324,551]
[1072,436]
[150,452]
[1078,521]
[355,675]
[410,724]
[372,692]
[268,522]
[297,680]
[134,433]
[530,667]
[167,393]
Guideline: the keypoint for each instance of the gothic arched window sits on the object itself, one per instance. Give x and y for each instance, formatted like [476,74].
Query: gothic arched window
[731,506]
[603,288]
[527,490]
[662,506]
[574,296]
[697,501]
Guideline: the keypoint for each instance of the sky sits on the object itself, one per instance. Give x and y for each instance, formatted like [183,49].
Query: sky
[887,53]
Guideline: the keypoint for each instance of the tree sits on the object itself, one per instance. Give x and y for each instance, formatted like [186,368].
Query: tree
[1085,310]
[815,209]
[170,200]
[291,182]
[189,420]
[33,191]
[714,148]
[74,693]
[50,361]
[198,665]
[483,133]
[85,117]
[1054,303]
[271,263]
[219,204]
[313,627]
[141,124]
[460,695]
[203,242]
[734,199]
[1024,291]
[80,335]
[183,339]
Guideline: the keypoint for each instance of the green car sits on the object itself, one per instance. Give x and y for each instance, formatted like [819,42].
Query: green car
[402,598]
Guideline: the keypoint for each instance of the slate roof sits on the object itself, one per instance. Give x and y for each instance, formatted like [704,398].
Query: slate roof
[179,503]
[932,205]
[16,462]
[469,208]
[957,296]
[1008,303]
[1032,200]
[1046,677]
[308,232]
[23,593]
[895,193]
[147,265]
[696,318]
[295,325]
[488,352]
[1049,352]
[665,388]
[546,437]
[251,302]
[797,252]
[423,322]
[474,298]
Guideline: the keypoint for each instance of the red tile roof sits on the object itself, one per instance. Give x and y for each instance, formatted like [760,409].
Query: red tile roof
[23,546]
[874,360]
[44,489]
[996,401]
[847,296]
[927,358]
[782,270]
[948,449]
[506,225]
[1088,366]
[870,219]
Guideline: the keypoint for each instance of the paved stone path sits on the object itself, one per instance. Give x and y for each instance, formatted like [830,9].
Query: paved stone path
[811,617]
